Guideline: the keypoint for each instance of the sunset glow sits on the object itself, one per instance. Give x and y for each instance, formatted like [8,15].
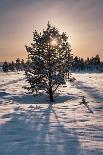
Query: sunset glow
[54,42]
[80,19]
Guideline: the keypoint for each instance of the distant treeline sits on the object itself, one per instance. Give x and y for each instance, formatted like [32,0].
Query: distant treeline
[77,64]
[93,64]
[18,65]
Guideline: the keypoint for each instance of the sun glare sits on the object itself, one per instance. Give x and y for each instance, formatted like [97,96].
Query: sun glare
[54,42]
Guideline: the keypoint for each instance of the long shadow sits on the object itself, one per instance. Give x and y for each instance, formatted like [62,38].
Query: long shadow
[91,91]
[11,82]
[2,94]
[29,99]
[37,132]
[72,145]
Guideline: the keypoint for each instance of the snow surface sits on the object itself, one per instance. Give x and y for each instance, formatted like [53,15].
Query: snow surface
[33,126]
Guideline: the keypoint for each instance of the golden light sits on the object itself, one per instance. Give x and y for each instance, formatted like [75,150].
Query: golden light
[54,42]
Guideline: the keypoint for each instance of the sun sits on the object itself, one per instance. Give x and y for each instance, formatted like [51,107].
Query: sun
[54,42]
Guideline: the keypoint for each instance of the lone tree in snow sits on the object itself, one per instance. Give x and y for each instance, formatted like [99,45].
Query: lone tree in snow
[49,56]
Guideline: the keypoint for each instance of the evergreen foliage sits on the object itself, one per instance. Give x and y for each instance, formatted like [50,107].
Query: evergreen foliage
[49,56]
[93,64]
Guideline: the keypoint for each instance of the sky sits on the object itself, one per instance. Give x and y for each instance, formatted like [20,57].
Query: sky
[82,20]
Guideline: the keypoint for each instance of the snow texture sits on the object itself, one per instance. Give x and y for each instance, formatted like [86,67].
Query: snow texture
[34,126]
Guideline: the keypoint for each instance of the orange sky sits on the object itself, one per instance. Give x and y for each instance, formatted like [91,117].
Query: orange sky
[80,19]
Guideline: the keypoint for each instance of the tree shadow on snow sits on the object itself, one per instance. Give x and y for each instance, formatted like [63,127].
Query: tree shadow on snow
[2,94]
[91,91]
[43,99]
[11,82]
[37,132]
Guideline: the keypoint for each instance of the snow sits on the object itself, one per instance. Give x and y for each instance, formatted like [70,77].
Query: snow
[33,126]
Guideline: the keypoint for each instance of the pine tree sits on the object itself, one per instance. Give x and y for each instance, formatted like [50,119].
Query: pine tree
[5,67]
[49,61]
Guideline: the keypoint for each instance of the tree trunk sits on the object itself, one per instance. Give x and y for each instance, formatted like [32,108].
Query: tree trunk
[51,96]
[50,90]
[50,76]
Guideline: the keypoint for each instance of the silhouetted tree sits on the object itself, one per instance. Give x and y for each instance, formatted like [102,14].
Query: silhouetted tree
[49,61]
[22,65]
[18,65]
[5,66]
[90,64]
[13,66]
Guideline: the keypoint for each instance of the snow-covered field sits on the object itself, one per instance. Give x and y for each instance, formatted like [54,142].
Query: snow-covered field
[33,126]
